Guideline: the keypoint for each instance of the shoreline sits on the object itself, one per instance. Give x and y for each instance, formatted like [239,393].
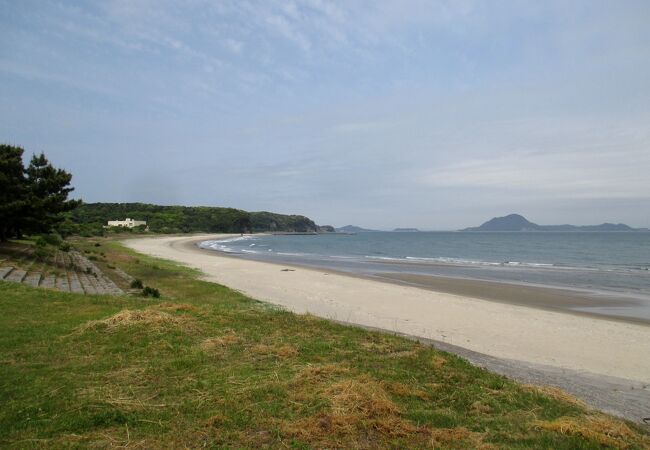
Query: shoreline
[547,298]
[586,291]
[567,341]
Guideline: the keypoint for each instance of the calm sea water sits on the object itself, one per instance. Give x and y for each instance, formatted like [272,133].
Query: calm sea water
[609,264]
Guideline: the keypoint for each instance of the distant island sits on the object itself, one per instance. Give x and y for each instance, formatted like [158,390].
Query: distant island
[353,229]
[406,230]
[517,222]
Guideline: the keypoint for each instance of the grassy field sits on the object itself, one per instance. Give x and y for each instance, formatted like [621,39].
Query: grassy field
[204,366]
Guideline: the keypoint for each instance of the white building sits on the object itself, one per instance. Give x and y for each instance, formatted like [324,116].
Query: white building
[128,223]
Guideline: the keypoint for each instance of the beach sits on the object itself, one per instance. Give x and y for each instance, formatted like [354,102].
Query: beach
[498,329]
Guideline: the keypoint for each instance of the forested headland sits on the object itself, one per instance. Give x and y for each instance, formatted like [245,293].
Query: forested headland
[88,218]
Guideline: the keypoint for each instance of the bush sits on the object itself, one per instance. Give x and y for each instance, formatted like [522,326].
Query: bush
[42,252]
[64,247]
[40,242]
[52,239]
[136,284]
[97,244]
[150,292]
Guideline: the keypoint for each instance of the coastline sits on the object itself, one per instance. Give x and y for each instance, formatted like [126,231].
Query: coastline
[508,331]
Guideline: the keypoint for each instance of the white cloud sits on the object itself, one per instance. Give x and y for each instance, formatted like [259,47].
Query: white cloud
[581,159]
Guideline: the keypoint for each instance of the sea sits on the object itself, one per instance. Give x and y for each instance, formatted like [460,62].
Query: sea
[613,265]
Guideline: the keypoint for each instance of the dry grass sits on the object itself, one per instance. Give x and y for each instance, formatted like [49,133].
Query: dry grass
[313,374]
[178,307]
[556,393]
[438,361]
[460,438]
[359,415]
[123,397]
[129,318]
[596,428]
[283,351]
[389,350]
[220,342]
[404,390]
[480,408]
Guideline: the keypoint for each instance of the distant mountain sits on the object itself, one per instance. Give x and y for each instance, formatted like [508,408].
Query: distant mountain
[512,222]
[516,222]
[406,230]
[353,229]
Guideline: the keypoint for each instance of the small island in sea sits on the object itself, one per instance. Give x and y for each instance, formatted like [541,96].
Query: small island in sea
[517,222]
[353,229]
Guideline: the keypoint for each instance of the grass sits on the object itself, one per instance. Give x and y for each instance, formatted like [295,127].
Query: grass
[204,366]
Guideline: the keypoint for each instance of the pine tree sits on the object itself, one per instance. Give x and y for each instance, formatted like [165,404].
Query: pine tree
[13,189]
[32,199]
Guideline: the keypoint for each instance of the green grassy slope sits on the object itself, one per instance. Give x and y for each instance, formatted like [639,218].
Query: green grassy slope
[205,366]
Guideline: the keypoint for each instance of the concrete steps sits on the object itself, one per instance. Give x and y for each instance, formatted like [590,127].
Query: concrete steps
[16,275]
[74,273]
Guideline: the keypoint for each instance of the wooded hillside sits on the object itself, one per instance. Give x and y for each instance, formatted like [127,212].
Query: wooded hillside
[186,219]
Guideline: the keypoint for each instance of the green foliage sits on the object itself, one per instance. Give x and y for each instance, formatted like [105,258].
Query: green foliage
[184,219]
[32,198]
[267,221]
[52,239]
[136,284]
[42,251]
[150,292]
[64,247]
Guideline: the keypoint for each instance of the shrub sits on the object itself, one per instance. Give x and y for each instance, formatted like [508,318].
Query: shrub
[97,244]
[136,284]
[64,247]
[42,252]
[150,292]
[92,258]
[52,239]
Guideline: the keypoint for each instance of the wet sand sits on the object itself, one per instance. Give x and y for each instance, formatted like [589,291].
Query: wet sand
[550,299]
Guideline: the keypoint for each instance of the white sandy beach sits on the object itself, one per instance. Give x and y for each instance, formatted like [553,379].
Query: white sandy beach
[597,346]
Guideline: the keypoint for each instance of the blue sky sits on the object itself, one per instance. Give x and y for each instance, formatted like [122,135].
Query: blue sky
[434,114]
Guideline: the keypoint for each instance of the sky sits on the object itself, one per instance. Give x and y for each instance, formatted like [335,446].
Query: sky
[411,113]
